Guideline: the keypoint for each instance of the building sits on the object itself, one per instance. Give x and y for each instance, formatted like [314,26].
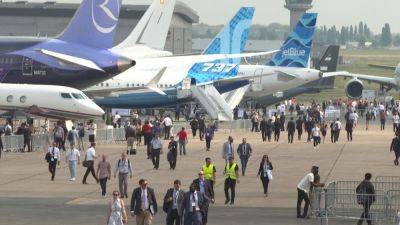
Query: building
[297,8]
[47,19]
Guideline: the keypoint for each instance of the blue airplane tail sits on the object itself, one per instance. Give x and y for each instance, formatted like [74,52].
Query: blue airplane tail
[230,40]
[295,51]
[94,24]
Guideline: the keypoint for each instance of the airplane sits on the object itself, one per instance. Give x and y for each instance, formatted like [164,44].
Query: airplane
[289,68]
[78,57]
[354,87]
[50,101]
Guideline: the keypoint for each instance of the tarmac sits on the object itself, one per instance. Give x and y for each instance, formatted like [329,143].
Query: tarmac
[27,196]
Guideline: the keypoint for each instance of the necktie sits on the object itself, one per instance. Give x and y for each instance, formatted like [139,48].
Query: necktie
[244,149]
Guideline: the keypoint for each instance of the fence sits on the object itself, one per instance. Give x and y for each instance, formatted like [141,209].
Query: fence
[340,200]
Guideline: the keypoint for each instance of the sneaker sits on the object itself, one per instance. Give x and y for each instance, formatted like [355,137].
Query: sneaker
[226,202]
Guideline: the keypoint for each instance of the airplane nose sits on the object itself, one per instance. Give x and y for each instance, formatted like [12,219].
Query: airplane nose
[94,109]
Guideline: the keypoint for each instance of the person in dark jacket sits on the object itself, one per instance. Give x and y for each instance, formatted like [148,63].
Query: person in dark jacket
[269,129]
[366,197]
[172,154]
[277,129]
[173,201]
[349,130]
[263,129]
[144,211]
[263,170]
[291,128]
[202,127]
[193,206]
[25,130]
[308,125]
[194,125]
[395,146]
[204,187]
[299,127]
[282,120]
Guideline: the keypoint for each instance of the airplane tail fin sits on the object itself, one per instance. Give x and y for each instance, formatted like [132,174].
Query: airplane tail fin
[94,24]
[230,40]
[329,60]
[152,29]
[295,51]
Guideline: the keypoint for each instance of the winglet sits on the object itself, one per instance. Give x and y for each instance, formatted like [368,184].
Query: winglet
[153,83]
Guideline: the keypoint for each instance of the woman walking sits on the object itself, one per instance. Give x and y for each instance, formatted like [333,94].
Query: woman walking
[316,133]
[104,174]
[265,173]
[116,210]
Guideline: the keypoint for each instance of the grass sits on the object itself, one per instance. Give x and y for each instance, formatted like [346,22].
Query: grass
[356,61]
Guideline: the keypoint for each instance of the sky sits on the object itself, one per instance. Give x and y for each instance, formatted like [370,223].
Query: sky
[331,12]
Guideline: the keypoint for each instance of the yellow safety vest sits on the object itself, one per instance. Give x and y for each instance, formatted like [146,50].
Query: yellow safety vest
[230,172]
[208,171]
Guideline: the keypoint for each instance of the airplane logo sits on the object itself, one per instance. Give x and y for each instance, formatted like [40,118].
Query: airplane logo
[294,52]
[105,7]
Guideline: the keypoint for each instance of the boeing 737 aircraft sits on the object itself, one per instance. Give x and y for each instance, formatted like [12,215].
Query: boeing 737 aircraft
[78,57]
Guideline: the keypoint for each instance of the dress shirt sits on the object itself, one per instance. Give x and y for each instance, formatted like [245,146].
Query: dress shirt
[144,200]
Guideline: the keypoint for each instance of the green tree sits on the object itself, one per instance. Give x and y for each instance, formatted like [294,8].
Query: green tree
[386,36]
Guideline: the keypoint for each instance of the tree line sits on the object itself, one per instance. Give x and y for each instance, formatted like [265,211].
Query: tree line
[360,34]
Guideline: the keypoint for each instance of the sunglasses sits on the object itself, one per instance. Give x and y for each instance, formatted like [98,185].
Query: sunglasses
[116,194]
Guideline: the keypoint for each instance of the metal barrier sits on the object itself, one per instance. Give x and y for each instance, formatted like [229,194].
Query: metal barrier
[387,179]
[381,186]
[41,141]
[13,143]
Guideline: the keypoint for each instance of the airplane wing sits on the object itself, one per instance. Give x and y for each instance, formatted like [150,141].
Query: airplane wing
[105,91]
[189,60]
[386,67]
[71,59]
[371,78]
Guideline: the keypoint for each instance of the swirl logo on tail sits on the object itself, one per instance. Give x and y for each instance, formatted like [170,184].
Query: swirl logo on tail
[108,16]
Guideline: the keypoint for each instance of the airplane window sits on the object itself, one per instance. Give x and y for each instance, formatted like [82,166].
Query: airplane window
[77,96]
[127,85]
[65,95]
[102,84]
[10,98]
[107,84]
[142,85]
[22,99]
[137,85]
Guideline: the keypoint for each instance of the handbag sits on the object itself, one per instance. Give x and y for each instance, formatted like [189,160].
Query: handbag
[85,162]
[269,174]
[47,157]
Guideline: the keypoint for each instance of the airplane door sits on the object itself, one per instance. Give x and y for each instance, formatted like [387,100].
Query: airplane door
[27,66]
[256,85]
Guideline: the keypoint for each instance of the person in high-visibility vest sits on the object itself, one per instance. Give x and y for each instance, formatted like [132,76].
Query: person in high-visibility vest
[231,178]
[209,171]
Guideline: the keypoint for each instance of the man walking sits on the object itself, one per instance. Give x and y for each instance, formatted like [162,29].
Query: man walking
[291,128]
[89,158]
[227,149]
[143,203]
[244,151]
[337,127]
[130,135]
[365,197]
[54,160]
[104,174]
[173,204]
[263,129]
[209,172]
[123,168]
[167,122]
[183,140]
[204,187]
[202,128]
[193,205]
[209,133]
[72,158]
[299,127]
[156,148]
[395,146]
[231,178]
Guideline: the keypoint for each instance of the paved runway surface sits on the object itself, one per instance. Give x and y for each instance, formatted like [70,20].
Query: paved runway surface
[27,195]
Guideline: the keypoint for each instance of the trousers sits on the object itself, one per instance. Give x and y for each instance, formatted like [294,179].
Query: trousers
[302,195]
[90,169]
[72,168]
[155,157]
[103,185]
[230,184]
[123,184]
[173,217]
[52,168]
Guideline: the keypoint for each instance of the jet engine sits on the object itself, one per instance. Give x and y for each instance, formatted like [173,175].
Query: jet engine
[354,88]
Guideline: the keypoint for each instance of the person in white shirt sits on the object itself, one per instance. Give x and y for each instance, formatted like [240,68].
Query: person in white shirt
[54,160]
[396,121]
[72,158]
[123,168]
[316,133]
[92,131]
[303,188]
[89,158]
[167,122]
[337,128]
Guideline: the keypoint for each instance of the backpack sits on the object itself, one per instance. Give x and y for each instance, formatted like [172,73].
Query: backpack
[70,136]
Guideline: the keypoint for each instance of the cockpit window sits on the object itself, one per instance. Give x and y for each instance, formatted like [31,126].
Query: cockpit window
[65,95]
[77,96]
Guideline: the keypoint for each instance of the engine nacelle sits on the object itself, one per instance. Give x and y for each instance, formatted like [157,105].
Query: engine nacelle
[354,88]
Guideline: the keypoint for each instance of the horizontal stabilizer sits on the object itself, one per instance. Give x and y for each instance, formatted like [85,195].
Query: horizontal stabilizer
[386,67]
[71,59]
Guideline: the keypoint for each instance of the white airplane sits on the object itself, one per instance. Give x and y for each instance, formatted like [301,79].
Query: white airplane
[49,101]
[354,87]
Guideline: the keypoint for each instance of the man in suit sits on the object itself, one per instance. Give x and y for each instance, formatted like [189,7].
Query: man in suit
[173,201]
[204,186]
[291,128]
[244,151]
[143,203]
[227,149]
[193,205]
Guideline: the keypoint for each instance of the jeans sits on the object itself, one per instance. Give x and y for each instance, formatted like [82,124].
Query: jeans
[167,132]
[173,217]
[155,157]
[299,133]
[230,184]
[290,137]
[265,183]
[243,160]
[123,184]
[52,168]
[302,195]
[182,147]
[365,215]
[350,135]
[103,185]
[317,140]
[276,135]
[72,168]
